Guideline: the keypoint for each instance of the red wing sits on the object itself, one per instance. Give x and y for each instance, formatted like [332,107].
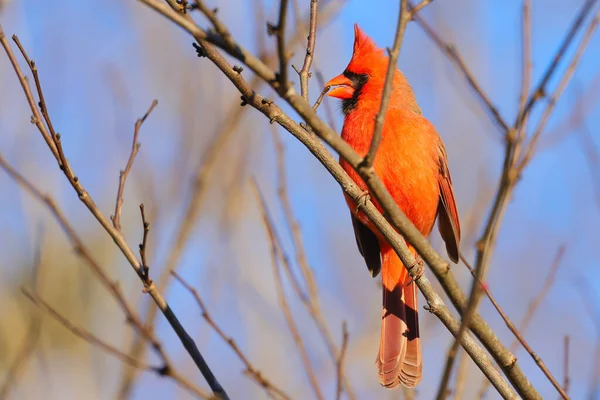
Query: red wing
[448,222]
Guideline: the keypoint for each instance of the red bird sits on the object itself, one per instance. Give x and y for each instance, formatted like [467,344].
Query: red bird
[412,163]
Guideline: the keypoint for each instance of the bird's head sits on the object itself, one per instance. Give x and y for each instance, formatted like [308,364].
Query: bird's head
[364,77]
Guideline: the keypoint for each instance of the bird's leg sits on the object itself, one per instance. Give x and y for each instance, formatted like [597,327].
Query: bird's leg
[419,267]
[364,197]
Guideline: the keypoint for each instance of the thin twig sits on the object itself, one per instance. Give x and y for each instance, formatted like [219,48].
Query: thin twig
[567,379]
[251,370]
[276,257]
[135,147]
[146,226]
[309,298]
[340,362]
[310,50]
[279,32]
[86,335]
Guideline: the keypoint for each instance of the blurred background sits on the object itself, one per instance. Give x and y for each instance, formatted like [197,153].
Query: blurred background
[102,63]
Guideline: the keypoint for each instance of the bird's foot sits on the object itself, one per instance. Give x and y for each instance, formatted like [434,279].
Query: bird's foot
[362,200]
[419,269]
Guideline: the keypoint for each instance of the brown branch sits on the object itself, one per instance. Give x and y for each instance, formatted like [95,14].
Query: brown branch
[567,379]
[115,234]
[251,370]
[279,32]
[310,50]
[404,16]
[328,109]
[462,376]
[309,297]
[340,362]
[86,335]
[277,257]
[135,147]
[146,226]
[526,320]
[439,266]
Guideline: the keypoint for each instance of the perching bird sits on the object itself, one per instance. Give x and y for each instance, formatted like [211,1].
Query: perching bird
[412,163]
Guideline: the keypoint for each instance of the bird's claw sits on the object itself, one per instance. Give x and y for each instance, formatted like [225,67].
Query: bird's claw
[419,269]
[362,200]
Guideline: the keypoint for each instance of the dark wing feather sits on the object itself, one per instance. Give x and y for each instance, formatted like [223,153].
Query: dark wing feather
[448,222]
[368,245]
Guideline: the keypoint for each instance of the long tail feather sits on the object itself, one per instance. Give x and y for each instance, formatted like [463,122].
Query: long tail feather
[399,358]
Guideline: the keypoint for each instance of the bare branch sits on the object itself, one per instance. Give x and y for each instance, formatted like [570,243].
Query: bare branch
[310,297]
[135,147]
[276,255]
[86,335]
[251,370]
[340,362]
[279,32]
[310,50]
[567,379]
[146,226]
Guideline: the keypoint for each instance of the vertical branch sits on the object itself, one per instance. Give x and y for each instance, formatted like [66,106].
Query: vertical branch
[340,362]
[279,32]
[310,50]
[276,257]
[567,379]
[135,147]
[309,298]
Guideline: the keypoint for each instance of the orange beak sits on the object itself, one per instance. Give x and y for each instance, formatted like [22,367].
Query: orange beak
[343,87]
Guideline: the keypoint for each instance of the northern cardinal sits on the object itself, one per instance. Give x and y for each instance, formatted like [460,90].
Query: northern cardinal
[412,163]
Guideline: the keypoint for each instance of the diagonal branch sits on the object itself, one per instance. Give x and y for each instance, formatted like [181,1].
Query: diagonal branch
[276,257]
